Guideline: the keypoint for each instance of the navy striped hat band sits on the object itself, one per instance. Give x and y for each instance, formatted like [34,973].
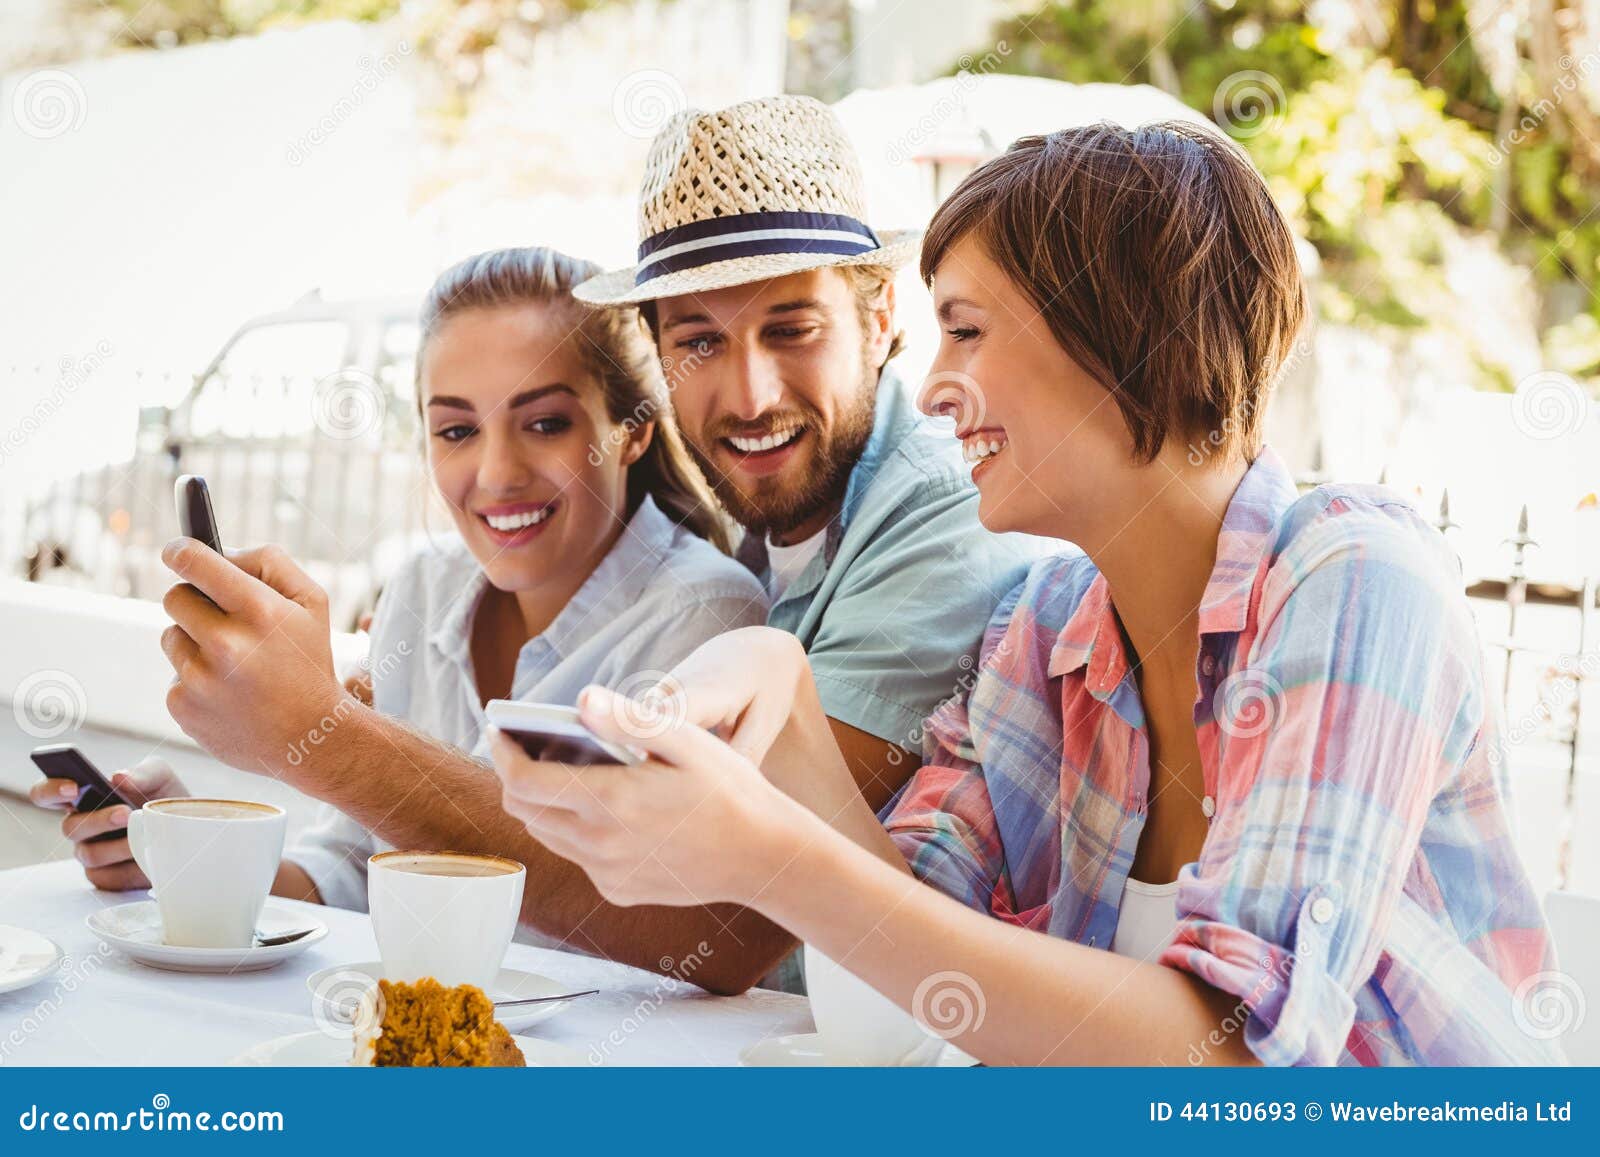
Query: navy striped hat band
[750,234]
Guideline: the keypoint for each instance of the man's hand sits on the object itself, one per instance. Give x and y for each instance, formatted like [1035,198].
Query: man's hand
[109,864]
[255,680]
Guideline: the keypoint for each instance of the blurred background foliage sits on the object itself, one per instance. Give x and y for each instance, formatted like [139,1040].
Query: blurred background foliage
[1394,134]
[1414,143]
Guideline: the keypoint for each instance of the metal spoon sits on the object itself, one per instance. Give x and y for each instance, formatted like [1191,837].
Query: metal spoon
[282,938]
[544,999]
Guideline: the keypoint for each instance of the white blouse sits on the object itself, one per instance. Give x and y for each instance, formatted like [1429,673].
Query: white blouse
[1147,919]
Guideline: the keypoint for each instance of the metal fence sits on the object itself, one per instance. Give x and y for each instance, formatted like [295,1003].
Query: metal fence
[329,468]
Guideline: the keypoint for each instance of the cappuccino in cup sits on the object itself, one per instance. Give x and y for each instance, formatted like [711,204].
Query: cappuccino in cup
[448,915]
[211,863]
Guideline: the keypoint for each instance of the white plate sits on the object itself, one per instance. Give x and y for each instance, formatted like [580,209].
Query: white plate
[336,993]
[327,1050]
[135,929]
[808,1050]
[25,957]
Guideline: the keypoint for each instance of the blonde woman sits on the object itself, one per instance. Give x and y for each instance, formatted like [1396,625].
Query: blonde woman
[588,551]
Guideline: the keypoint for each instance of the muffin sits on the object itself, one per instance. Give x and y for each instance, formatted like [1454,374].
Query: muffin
[426,1025]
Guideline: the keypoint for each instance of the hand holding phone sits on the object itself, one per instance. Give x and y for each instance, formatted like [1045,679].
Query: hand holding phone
[64,761]
[195,517]
[553,733]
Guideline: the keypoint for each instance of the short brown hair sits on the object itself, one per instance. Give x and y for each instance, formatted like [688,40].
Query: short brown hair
[867,281]
[1158,260]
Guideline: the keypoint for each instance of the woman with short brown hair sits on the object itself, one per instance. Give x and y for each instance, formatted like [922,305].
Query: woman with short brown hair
[1223,786]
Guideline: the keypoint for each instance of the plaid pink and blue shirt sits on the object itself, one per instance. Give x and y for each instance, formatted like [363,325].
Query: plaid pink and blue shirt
[1359,890]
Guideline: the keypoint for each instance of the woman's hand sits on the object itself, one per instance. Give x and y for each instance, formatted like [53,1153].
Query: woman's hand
[109,864]
[694,824]
[740,686]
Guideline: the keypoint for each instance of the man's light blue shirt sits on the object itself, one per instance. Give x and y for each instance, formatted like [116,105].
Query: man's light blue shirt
[892,609]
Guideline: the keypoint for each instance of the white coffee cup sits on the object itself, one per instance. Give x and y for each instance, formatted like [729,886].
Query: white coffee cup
[857,1022]
[448,915]
[211,863]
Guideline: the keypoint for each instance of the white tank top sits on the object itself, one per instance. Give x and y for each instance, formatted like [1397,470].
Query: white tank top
[1146,920]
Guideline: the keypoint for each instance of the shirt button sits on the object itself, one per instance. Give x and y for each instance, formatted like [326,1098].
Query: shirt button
[1208,807]
[1322,909]
[1208,666]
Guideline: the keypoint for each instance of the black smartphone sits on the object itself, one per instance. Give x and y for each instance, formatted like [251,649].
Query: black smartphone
[195,516]
[64,761]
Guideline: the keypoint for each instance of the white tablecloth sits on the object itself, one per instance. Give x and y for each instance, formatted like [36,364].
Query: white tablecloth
[101,1008]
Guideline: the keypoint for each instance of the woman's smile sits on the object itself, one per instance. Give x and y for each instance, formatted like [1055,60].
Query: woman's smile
[514,524]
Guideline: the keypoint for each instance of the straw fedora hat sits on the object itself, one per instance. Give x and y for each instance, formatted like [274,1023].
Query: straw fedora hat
[758,190]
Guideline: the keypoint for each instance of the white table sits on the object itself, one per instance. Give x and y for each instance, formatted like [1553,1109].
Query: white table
[101,1008]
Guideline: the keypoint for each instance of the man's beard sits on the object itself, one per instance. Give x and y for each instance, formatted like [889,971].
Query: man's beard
[775,509]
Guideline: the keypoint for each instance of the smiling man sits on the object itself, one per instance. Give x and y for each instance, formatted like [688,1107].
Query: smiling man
[772,304]
[773,308]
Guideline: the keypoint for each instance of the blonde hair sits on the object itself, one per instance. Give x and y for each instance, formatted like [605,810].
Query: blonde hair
[615,348]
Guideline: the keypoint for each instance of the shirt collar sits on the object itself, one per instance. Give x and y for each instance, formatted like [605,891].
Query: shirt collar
[616,583]
[1249,532]
[1092,637]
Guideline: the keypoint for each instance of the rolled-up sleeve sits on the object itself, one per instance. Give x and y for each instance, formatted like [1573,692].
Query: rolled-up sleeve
[1360,698]
[334,849]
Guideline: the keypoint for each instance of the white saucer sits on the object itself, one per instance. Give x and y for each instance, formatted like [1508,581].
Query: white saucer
[135,929]
[807,1050]
[326,1050]
[25,957]
[336,993]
